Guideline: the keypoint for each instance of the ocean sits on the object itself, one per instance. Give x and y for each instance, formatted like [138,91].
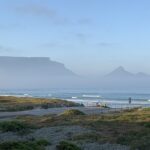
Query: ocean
[88,97]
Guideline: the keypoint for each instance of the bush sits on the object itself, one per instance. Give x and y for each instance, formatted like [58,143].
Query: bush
[19,108]
[45,106]
[88,137]
[27,145]
[67,146]
[147,124]
[72,112]
[14,126]
[136,140]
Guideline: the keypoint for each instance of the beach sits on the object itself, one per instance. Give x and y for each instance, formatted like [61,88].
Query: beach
[71,124]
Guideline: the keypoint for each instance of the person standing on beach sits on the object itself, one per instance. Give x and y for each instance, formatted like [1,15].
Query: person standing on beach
[130,100]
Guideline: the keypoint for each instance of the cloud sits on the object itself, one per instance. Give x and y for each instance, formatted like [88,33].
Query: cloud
[5,49]
[8,26]
[84,21]
[51,14]
[53,45]
[104,44]
[57,45]
[36,10]
[50,45]
[82,37]
[42,11]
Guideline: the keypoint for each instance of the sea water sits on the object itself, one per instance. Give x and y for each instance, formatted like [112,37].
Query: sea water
[88,97]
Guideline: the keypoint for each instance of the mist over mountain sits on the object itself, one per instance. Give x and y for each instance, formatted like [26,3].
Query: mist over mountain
[41,72]
[32,72]
[121,79]
[120,72]
[32,66]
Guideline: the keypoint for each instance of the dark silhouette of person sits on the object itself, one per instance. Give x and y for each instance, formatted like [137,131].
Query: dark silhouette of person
[130,100]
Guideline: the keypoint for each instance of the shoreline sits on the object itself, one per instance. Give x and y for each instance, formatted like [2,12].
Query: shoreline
[113,103]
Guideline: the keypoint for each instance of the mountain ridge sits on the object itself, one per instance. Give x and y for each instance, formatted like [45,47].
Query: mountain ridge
[121,72]
[39,65]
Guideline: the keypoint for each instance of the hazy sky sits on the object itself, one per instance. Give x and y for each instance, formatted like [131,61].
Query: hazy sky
[90,37]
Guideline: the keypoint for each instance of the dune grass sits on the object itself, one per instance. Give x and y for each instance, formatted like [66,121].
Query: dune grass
[10,103]
[15,126]
[25,145]
[64,145]
[131,128]
[72,112]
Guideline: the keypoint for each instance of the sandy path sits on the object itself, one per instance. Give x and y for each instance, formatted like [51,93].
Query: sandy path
[41,112]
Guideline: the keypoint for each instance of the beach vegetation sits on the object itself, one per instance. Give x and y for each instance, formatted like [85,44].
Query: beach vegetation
[15,126]
[130,128]
[64,145]
[25,145]
[11,103]
[72,112]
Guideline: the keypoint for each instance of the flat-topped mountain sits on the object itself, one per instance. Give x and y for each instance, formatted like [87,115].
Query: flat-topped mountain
[32,72]
[32,66]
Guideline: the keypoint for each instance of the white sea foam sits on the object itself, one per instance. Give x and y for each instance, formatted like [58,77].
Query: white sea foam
[74,97]
[16,95]
[49,94]
[91,96]
[4,95]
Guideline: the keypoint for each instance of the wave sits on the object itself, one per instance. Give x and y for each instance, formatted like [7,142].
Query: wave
[108,102]
[4,95]
[92,96]
[16,95]
[74,97]
[50,95]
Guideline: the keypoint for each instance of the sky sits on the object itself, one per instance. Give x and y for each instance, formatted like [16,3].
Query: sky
[91,37]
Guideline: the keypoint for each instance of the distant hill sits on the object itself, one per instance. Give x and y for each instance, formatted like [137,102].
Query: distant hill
[143,75]
[32,66]
[120,72]
[41,72]
[121,79]
[38,71]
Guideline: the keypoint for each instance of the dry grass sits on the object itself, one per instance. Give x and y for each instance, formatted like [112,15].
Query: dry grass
[128,128]
[10,103]
[25,145]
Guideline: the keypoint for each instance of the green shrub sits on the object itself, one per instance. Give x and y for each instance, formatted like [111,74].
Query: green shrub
[15,126]
[147,124]
[136,140]
[42,142]
[19,108]
[72,112]
[67,146]
[26,145]
[45,106]
[88,137]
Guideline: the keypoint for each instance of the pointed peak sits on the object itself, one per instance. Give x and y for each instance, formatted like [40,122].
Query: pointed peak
[120,72]
[120,68]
